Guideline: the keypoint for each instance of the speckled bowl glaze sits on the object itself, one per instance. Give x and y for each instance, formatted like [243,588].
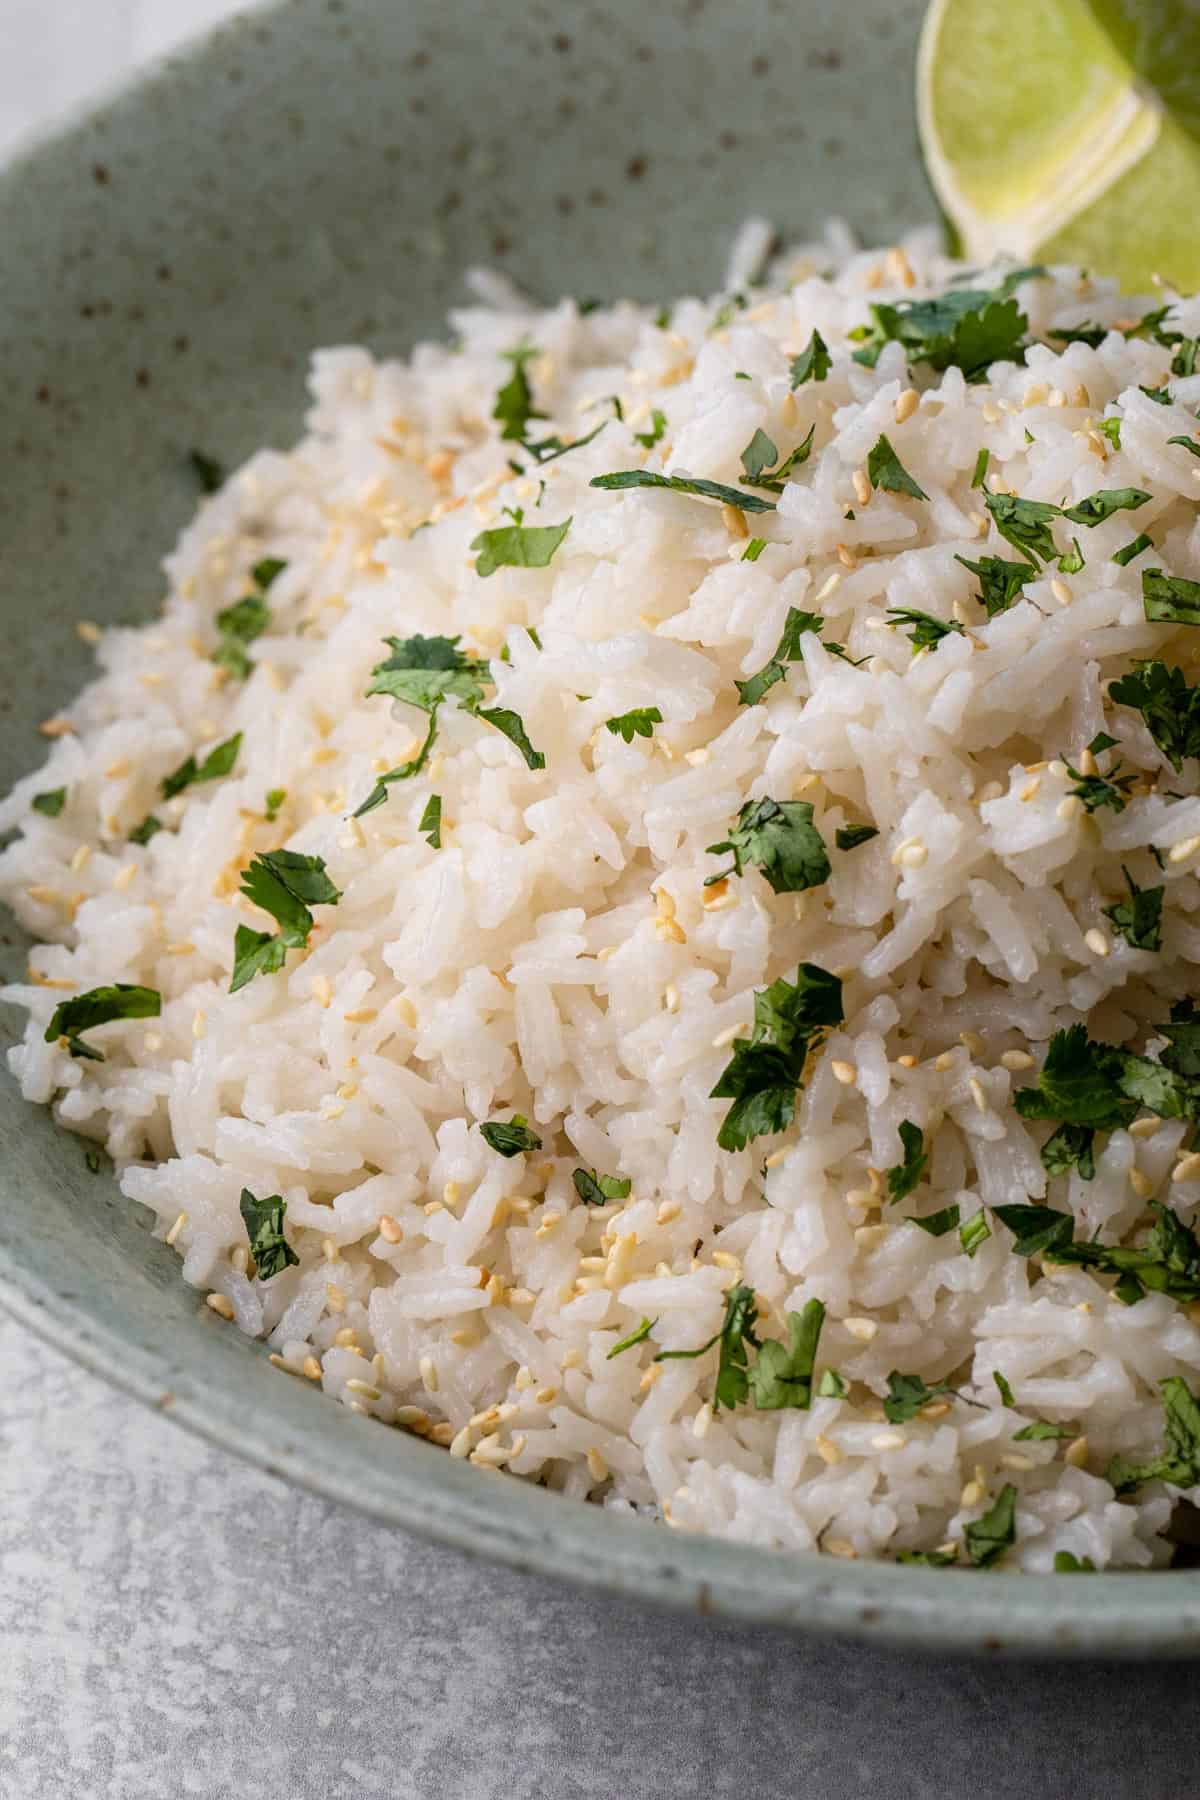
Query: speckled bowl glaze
[322,171]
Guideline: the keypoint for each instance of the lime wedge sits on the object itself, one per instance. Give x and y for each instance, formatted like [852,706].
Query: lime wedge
[1067,129]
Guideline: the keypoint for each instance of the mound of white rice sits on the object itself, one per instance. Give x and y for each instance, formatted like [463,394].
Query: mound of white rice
[559,956]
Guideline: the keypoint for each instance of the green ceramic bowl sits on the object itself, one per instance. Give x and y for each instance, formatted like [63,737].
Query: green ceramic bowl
[321,172]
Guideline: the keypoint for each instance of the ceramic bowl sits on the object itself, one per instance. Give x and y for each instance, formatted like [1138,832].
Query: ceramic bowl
[318,172]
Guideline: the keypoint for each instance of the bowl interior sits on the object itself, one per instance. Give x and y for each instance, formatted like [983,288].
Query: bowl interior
[320,172]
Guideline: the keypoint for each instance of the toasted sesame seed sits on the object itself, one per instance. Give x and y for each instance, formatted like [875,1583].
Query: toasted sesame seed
[888,1440]
[1061,591]
[935,1409]
[429,1374]
[491,1453]
[1016,1060]
[702,1420]
[58,727]
[847,557]
[219,1304]
[346,1338]
[945,1061]
[1069,807]
[827,1450]
[570,1359]
[335,1299]
[862,487]
[413,1416]
[1013,1459]
[650,1376]
[697,758]
[311,1368]
[734,521]
[840,1547]
[1188,1168]
[844,1072]
[124,876]
[1144,1128]
[1180,852]
[460,1444]
[1096,942]
[972,1493]
[977,1094]
[671,999]
[670,1209]
[1076,1453]
[199,1025]
[907,403]
[862,1329]
[725,1259]
[1141,1183]
[355,1386]
[177,1227]
[827,586]
[388,1229]
[362,1015]
[1030,790]
[597,1467]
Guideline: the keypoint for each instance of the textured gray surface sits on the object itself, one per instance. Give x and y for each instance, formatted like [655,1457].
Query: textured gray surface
[173,1624]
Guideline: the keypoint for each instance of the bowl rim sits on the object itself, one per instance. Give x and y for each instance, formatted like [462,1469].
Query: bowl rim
[1129,1614]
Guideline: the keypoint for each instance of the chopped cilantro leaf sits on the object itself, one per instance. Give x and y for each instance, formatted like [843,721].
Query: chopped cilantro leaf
[788,649]
[639,722]
[267,571]
[981,467]
[1184,360]
[928,1559]
[1005,1391]
[1133,548]
[207,470]
[1103,504]
[907,1174]
[927,632]
[779,838]
[51,803]
[1111,429]
[1138,919]
[514,402]
[937,1224]
[1025,524]
[1098,791]
[1093,335]
[1036,1228]
[246,619]
[264,1227]
[783,1373]
[1072,560]
[973,1232]
[218,762]
[1170,599]
[832,1386]
[736,1332]
[1000,582]
[1041,1432]
[885,470]
[759,455]
[597,1190]
[680,484]
[1160,395]
[965,328]
[1067,1563]
[988,1538]
[509,1137]
[754,549]
[99,1006]
[517,546]
[275,799]
[149,827]
[907,1394]
[404,772]
[285,884]
[813,363]
[430,823]
[549,449]
[849,837]
[1180,1462]
[637,1336]
[658,427]
[766,1069]
[423,671]
[1187,443]
[504,720]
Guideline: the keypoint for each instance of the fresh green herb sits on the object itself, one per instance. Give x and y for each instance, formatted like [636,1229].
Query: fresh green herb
[1160,395]
[1025,524]
[658,427]
[99,1006]
[1169,599]
[779,838]
[928,1559]
[1103,504]
[637,1336]
[813,363]
[1170,708]
[766,1069]
[1098,791]
[264,1227]
[754,549]
[275,799]
[1067,1563]
[927,632]
[1133,548]
[1000,582]
[1005,1391]
[981,468]
[679,484]
[50,803]
[973,1232]
[1184,360]
[1138,919]
[939,1223]
[517,546]
[404,772]
[218,762]
[662,318]
[1111,429]
[597,1190]
[885,470]
[737,1331]
[1041,1432]
[430,822]
[285,884]
[207,470]
[797,623]
[549,449]
[1072,560]
[640,722]
[964,328]
[1167,1263]
[509,1137]
[264,573]
[783,1373]
[760,454]
[509,723]
[988,1538]
[1036,1228]
[1188,444]
[514,402]
[1093,335]
[424,671]
[93,1161]
[907,1394]
[149,827]
[725,312]
[1180,1462]
[832,1386]
[849,837]
[907,1174]
[239,625]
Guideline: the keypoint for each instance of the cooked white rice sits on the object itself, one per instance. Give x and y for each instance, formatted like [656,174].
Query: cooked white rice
[556,957]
